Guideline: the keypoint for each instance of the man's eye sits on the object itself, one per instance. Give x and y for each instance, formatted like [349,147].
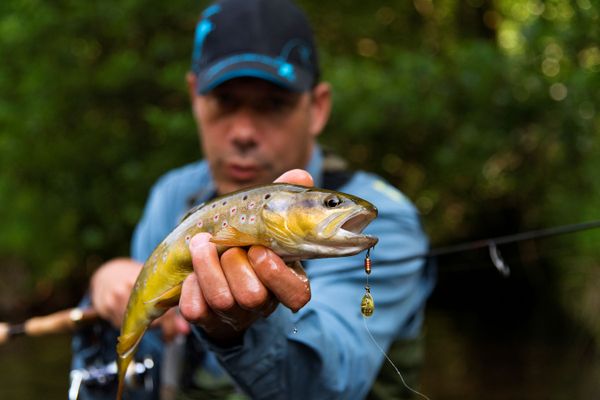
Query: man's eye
[227,103]
[273,105]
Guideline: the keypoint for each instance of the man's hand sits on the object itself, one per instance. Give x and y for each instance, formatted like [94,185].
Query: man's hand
[225,296]
[111,286]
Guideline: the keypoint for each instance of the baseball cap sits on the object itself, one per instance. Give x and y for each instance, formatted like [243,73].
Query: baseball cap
[266,39]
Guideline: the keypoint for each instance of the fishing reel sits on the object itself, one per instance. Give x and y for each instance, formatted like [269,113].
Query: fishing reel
[137,377]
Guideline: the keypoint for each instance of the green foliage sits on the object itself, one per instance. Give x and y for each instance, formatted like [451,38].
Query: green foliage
[484,113]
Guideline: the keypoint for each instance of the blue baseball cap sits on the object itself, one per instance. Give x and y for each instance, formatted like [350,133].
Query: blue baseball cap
[265,39]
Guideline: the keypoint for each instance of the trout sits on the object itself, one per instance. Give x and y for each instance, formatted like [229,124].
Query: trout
[296,222]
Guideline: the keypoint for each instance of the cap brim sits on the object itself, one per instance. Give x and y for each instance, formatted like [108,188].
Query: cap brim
[280,73]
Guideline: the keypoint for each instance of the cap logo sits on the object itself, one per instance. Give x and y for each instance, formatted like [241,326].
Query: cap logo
[203,28]
[287,71]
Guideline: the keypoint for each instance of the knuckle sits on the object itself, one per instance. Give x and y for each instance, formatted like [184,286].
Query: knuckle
[231,255]
[221,300]
[253,299]
[190,311]
[269,271]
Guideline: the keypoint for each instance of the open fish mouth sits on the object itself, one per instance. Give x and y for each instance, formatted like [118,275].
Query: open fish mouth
[356,222]
[350,229]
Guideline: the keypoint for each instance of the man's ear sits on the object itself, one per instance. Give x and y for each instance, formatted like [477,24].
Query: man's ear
[320,107]
[192,81]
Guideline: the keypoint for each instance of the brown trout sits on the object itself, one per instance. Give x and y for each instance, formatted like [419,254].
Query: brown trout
[296,222]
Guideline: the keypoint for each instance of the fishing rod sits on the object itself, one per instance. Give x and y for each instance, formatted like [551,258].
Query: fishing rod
[59,322]
[493,243]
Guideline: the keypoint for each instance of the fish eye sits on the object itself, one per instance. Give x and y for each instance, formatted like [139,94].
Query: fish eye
[332,201]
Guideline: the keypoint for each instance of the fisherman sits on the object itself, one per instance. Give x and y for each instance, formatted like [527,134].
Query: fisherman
[259,104]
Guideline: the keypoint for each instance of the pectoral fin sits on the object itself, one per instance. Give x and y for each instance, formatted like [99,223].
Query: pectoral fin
[232,237]
[167,299]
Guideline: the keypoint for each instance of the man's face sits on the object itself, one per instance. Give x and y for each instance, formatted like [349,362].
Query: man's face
[252,131]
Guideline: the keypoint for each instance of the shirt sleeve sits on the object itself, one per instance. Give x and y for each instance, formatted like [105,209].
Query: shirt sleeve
[324,350]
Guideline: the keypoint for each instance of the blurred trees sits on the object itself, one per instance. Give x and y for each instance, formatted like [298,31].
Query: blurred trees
[484,112]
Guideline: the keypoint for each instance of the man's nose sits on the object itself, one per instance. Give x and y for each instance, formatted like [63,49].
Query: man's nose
[244,127]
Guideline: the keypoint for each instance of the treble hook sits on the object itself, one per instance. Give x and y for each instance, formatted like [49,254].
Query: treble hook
[499,263]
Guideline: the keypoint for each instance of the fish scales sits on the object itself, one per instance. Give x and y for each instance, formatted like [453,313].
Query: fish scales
[296,222]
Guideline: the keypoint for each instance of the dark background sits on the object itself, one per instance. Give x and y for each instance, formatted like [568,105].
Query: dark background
[485,113]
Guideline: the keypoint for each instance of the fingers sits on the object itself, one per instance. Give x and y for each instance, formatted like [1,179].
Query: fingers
[192,305]
[210,275]
[222,291]
[297,177]
[289,285]
[248,291]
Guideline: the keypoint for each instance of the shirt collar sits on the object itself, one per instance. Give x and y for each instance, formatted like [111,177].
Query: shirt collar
[315,165]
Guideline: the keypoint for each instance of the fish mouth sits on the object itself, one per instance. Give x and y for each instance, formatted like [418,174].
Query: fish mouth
[349,230]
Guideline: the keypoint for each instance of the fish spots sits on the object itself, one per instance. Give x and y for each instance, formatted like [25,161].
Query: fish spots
[251,205]
[225,224]
[232,211]
[243,218]
[199,224]
[187,239]
[215,217]
[213,205]
[267,196]
[224,203]
[252,219]
[245,197]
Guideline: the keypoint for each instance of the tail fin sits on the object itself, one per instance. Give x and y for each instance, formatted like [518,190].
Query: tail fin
[125,350]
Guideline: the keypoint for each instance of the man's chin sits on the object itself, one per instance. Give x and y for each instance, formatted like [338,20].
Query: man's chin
[231,185]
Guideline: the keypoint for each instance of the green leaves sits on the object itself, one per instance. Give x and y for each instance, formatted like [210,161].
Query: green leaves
[485,113]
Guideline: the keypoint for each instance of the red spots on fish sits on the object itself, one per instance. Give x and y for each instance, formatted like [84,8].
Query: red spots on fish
[232,211]
[224,224]
[252,219]
[199,224]
[187,239]
[251,205]
[243,218]
[216,217]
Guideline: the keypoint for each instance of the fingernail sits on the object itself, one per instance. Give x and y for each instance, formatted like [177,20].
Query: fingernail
[199,240]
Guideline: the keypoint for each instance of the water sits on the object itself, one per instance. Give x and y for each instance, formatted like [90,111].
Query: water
[35,368]
[471,353]
[472,358]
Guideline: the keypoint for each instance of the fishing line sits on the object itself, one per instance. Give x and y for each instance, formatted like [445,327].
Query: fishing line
[391,362]
[367,307]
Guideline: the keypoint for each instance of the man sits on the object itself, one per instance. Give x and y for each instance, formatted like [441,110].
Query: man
[259,106]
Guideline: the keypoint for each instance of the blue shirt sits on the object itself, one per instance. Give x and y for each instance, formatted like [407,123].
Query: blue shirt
[323,351]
